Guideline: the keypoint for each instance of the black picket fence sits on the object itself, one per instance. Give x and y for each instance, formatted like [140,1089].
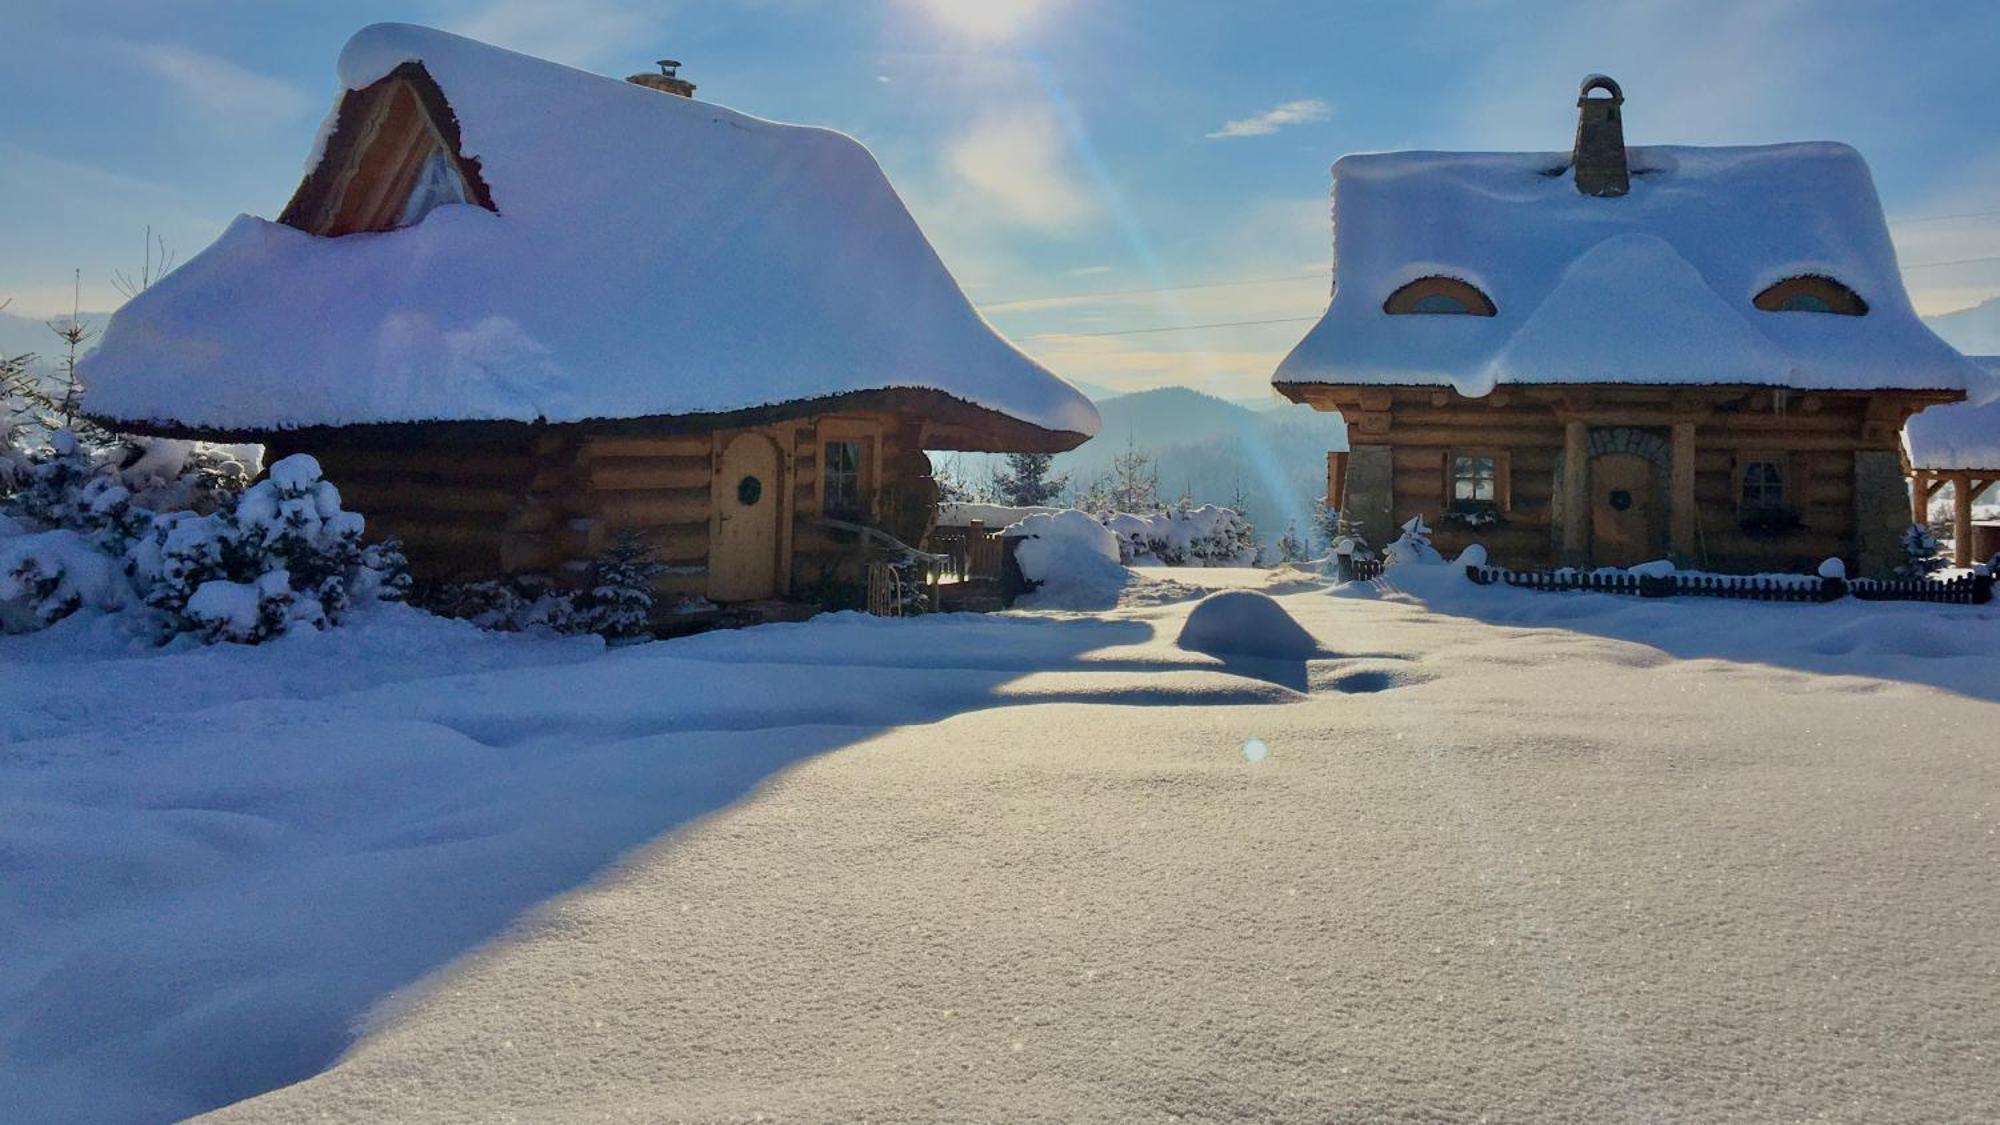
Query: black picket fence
[1970,589]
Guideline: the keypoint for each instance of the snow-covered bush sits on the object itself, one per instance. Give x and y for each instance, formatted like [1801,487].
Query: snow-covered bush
[1204,536]
[281,554]
[618,599]
[1922,555]
[1413,546]
[46,576]
[1291,549]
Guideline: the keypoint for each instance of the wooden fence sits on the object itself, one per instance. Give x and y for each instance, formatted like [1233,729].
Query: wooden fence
[1969,589]
[974,550]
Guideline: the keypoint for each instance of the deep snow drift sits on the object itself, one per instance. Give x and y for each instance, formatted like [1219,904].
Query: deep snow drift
[1017,866]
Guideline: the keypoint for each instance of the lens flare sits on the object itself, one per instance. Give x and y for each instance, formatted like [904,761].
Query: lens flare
[987,19]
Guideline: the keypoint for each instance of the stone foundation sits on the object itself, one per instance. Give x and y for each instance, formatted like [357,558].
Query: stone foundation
[1881,513]
[1371,493]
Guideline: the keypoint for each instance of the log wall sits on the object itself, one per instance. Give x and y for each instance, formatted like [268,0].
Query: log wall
[1816,436]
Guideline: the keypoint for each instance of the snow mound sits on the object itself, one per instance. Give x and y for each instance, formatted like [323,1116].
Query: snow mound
[724,249]
[1072,558]
[1654,287]
[1246,623]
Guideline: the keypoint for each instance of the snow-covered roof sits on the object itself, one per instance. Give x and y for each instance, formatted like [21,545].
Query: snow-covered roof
[1963,435]
[1650,287]
[650,255]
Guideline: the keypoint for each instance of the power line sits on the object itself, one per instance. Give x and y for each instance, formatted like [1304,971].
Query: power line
[1956,262]
[1941,218]
[1000,306]
[1171,328]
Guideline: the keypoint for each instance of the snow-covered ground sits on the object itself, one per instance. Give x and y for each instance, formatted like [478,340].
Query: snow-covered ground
[1494,854]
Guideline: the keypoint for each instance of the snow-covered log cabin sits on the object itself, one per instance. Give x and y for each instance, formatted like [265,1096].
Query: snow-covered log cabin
[1616,355]
[1959,445]
[515,309]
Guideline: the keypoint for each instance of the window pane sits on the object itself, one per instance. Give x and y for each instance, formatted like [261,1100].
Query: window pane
[1473,478]
[1763,485]
[841,478]
[1439,303]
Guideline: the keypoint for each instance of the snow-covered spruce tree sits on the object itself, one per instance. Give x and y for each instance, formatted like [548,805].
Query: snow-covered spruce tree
[1922,555]
[618,600]
[1026,483]
[1413,546]
[1291,549]
[1135,481]
[1325,526]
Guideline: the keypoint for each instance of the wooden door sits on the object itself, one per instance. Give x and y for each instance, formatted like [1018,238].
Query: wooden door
[1624,510]
[749,501]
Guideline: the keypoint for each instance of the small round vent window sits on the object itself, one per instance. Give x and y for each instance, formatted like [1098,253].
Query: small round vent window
[1621,500]
[749,490]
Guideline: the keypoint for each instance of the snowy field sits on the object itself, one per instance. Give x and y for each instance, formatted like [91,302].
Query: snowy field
[1495,855]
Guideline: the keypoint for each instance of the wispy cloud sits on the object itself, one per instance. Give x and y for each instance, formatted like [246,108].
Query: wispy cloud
[233,95]
[1305,111]
[1018,166]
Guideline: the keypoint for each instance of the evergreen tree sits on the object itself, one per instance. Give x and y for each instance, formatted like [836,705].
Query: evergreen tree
[1325,526]
[1291,549]
[1026,483]
[619,599]
[1135,481]
[1922,555]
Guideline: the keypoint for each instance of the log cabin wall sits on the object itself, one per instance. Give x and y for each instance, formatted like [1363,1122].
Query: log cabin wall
[548,501]
[454,504]
[1823,442]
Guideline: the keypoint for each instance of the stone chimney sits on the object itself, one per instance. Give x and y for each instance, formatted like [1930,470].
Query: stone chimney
[669,80]
[1599,156]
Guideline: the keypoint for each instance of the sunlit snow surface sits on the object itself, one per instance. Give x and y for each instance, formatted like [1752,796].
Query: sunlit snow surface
[1512,855]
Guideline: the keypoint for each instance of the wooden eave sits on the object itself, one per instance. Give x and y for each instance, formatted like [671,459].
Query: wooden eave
[951,423]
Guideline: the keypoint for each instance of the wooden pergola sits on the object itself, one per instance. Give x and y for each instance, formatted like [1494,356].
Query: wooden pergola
[1966,484]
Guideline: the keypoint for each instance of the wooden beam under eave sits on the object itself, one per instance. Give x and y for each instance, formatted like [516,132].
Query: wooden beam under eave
[1961,520]
[1576,492]
[1681,513]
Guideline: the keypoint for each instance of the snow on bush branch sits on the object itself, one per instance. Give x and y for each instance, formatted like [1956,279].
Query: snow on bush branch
[166,534]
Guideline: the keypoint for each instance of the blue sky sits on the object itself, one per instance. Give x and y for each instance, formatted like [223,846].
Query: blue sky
[1061,153]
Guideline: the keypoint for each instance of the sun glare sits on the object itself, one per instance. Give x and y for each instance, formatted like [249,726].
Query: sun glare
[987,19]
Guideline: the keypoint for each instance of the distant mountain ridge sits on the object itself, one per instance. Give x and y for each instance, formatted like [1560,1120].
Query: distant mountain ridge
[1974,331]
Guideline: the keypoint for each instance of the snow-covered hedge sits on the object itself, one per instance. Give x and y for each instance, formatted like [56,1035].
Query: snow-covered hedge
[1204,536]
[165,534]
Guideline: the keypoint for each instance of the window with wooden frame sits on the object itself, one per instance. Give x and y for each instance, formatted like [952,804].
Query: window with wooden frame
[1760,483]
[841,479]
[1477,482]
[1439,296]
[1811,293]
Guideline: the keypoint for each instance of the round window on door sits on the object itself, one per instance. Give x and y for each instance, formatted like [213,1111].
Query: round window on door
[749,490]
[1621,500]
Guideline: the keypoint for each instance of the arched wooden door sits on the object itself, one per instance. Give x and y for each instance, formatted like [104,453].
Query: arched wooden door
[1624,510]
[749,500]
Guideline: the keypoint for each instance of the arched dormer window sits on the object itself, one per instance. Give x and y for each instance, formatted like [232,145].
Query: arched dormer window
[1812,293]
[1438,296]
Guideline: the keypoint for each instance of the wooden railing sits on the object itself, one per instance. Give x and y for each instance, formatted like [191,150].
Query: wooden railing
[904,581]
[974,550]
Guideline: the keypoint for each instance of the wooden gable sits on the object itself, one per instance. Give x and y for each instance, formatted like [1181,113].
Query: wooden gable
[394,153]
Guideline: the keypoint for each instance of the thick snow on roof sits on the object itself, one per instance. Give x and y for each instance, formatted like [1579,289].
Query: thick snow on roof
[1651,287]
[652,255]
[1961,436]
